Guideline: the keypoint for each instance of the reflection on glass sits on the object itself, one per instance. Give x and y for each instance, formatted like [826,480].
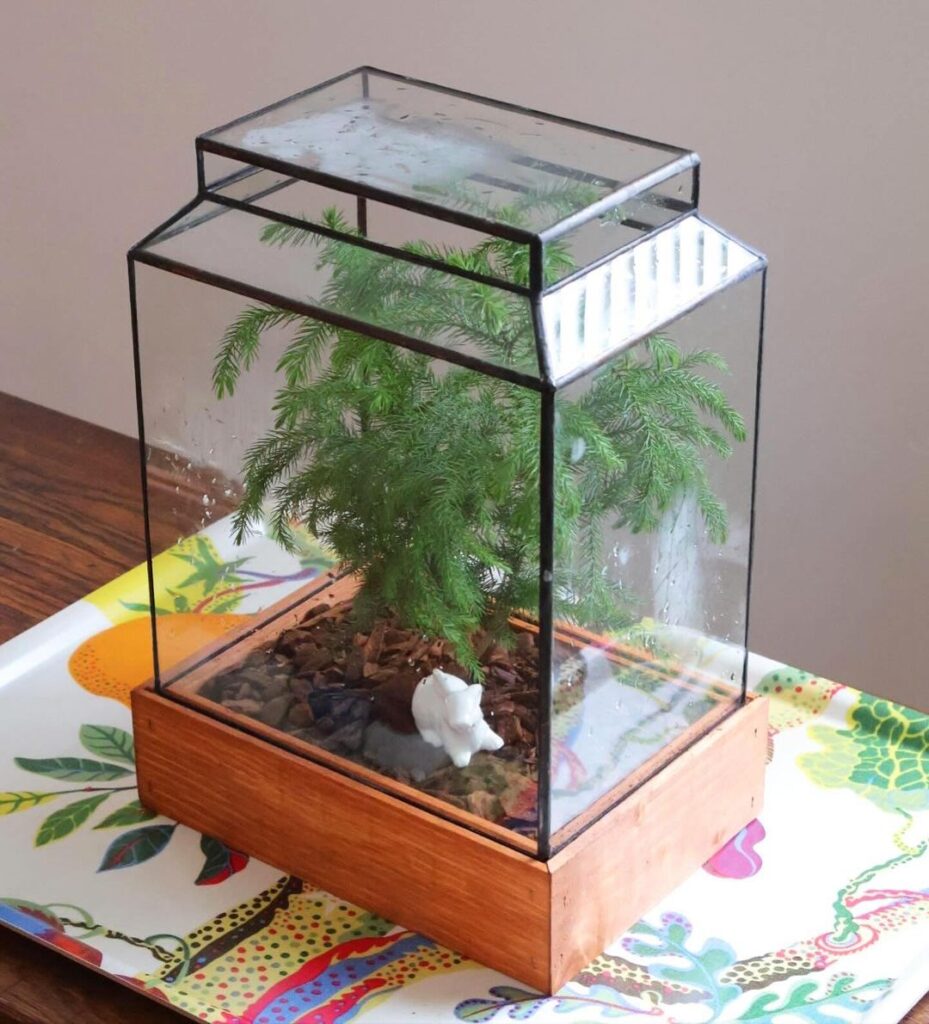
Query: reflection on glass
[287,447]
[625,298]
[650,580]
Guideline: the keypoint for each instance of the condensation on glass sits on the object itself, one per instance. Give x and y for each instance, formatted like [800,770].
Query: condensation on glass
[558,313]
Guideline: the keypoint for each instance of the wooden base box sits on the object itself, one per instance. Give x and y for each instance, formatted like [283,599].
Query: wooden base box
[539,922]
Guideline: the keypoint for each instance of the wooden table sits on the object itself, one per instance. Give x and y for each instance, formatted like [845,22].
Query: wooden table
[70,520]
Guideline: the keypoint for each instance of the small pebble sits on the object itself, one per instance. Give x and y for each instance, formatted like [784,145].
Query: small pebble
[275,711]
[300,715]
[243,707]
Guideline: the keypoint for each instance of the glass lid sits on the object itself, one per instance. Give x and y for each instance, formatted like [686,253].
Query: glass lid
[374,133]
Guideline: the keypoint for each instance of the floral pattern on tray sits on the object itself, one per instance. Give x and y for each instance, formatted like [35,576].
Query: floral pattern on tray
[817,912]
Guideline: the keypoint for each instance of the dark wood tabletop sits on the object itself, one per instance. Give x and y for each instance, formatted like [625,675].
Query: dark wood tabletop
[71,520]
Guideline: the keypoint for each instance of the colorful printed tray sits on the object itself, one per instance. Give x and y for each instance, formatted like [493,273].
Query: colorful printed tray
[818,912]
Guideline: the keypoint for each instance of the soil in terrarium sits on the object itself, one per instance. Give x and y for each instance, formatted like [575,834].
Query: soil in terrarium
[351,693]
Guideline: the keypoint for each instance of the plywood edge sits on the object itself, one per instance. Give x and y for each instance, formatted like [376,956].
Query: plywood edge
[622,865]
[475,895]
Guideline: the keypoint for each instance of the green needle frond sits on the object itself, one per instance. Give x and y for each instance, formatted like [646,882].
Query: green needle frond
[424,477]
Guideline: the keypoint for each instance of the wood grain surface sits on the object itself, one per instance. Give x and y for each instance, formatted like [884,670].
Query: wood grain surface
[607,877]
[70,511]
[402,862]
[422,871]
[70,520]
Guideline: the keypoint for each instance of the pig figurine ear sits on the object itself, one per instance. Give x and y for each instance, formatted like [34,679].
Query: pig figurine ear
[445,682]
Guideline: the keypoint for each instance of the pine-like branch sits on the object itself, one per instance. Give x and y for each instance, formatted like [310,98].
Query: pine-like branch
[424,477]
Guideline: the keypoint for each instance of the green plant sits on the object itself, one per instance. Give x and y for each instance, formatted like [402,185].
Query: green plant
[424,477]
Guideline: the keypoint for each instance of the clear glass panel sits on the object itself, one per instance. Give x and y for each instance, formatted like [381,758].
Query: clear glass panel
[611,305]
[195,449]
[451,244]
[453,313]
[244,182]
[280,450]
[654,454]
[619,227]
[418,141]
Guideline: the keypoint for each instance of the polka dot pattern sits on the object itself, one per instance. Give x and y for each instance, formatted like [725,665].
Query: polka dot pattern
[295,953]
[796,697]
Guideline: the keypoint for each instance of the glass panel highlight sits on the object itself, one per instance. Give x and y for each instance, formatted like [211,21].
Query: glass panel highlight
[653,499]
[610,306]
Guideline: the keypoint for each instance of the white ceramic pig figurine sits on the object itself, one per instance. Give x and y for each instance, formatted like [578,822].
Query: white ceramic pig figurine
[447,712]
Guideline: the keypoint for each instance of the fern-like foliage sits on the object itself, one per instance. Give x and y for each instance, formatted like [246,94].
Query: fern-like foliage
[424,477]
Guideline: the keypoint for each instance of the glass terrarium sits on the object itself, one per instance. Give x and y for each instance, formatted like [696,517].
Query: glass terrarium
[448,409]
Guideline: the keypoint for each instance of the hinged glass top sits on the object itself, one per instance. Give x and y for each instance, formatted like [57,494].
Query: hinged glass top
[455,155]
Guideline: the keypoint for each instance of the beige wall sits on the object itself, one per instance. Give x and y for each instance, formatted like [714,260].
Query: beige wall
[811,118]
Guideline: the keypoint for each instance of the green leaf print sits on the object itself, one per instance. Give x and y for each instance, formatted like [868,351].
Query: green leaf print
[209,572]
[136,847]
[73,769]
[132,814]
[108,741]
[10,803]
[841,993]
[883,755]
[63,822]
